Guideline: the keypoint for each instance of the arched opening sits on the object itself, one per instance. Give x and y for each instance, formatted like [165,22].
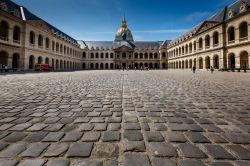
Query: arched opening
[190,47]
[194,45]
[186,49]
[40,60]
[179,64]
[47,42]
[111,66]
[163,55]
[31,62]
[15,60]
[244,60]
[92,56]
[231,61]
[146,55]
[200,43]
[53,62]
[164,65]
[57,47]
[151,56]
[186,64]
[57,64]
[156,66]
[4,30]
[16,34]
[83,66]
[111,55]
[47,61]
[183,64]
[215,38]
[243,28]
[216,61]
[200,63]
[190,63]
[231,34]
[101,55]
[207,41]
[61,48]
[32,38]
[4,58]
[136,56]
[96,66]
[176,64]
[97,55]
[91,65]
[40,40]
[106,66]
[146,64]
[150,65]
[61,64]
[194,62]
[207,62]
[64,65]
[101,66]
[155,56]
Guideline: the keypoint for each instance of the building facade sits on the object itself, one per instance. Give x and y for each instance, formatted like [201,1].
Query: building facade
[221,41]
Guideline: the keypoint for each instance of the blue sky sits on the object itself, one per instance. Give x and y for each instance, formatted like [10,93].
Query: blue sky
[147,19]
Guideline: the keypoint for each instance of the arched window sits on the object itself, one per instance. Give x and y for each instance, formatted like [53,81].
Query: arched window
[186,49]
[243,28]
[111,55]
[4,30]
[64,50]
[194,45]
[163,55]
[32,37]
[40,40]
[16,34]
[61,48]
[92,56]
[146,55]
[53,45]
[141,56]
[155,56]
[215,38]
[47,42]
[57,47]
[231,34]
[84,55]
[107,55]
[183,50]
[200,43]
[190,47]
[97,55]
[102,55]
[207,41]
[136,55]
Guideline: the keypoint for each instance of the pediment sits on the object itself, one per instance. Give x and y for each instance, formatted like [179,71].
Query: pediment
[206,25]
[124,46]
[41,25]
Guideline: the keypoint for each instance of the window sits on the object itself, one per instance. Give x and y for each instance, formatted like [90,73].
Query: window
[243,30]
[207,41]
[47,42]
[216,38]
[32,37]
[16,34]
[200,43]
[84,55]
[231,34]
[40,40]
[4,30]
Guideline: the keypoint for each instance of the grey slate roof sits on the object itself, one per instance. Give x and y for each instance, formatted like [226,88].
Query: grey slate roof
[220,17]
[108,45]
[30,16]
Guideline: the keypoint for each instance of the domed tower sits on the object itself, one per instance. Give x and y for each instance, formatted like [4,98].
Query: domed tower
[123,33]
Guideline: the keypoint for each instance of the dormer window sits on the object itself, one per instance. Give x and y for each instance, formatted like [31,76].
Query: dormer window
[243,6]
[3,6]
[231,13]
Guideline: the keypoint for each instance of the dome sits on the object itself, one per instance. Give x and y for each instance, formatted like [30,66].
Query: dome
[123,33]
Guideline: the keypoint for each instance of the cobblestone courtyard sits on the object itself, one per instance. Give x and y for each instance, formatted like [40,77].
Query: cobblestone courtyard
[131,118]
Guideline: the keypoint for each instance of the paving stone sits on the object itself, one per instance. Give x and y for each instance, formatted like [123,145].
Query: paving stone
[53,137]
[132,135]
[132,126]
[54,127]
[114,120]
[6,126]
[105,150]
[114,126]
[35,137]
[241,152]
[56,149]
[175,137]
[136,159]
[86,127]
[12,150]
[3,146]
[154,136]
[110,136]
[15,137]
[20,127]
[37,127]
[242,163]
[237,138]
[217,152]
[159,149]
[110,163]
[72,136]
[221,164]
[191,162]
[87,162]
[134,146]
[80,150]
[162,162]
[58,162]
[34,162]
[191,151]
[91,136]
[197,137]
[34,150]
[217,138]
[6,162]
[100,126]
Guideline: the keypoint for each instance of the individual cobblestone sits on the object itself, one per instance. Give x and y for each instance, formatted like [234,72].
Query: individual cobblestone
[115,118]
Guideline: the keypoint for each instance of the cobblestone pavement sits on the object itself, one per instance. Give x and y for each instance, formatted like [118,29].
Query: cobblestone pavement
[131,118]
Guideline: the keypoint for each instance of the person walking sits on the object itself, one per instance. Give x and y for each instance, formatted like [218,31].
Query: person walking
[212,69]
[194,68]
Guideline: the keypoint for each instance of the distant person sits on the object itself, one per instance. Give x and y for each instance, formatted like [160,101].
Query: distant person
[194,68]
[212,69]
